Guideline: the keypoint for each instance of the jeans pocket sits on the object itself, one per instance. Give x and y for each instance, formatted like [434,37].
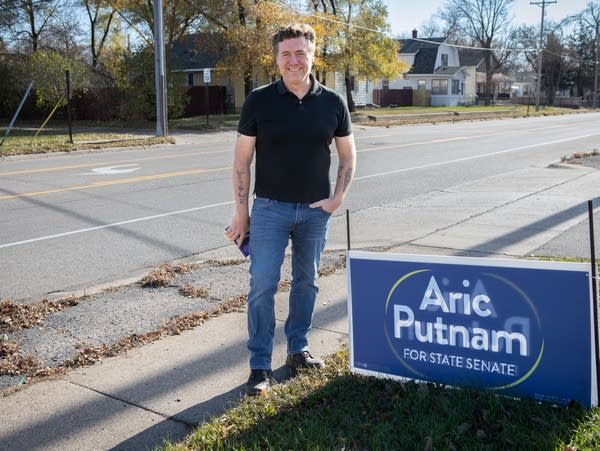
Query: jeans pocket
[325,212]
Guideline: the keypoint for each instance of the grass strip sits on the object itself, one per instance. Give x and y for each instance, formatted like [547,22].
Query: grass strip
[335,409]
[99,135]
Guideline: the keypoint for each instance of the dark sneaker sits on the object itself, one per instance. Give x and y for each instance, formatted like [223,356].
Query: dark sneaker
[259,382]
[303,360]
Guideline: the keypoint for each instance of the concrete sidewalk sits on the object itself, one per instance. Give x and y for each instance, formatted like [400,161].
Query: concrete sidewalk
[162,390]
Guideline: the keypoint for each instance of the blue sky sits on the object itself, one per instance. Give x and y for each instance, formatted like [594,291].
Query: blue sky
[404,15]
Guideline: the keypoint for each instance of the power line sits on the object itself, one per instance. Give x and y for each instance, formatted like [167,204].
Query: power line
[426,41]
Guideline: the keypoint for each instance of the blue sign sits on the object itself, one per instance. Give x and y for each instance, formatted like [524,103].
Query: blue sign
[521,328]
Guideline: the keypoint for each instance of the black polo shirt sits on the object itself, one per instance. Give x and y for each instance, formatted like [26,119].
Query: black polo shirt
[292,140]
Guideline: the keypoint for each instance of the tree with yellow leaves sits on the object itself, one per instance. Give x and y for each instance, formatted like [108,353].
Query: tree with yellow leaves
[358,43]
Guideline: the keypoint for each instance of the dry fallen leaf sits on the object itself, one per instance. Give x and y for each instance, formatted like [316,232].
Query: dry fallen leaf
[191,291]
[428,444]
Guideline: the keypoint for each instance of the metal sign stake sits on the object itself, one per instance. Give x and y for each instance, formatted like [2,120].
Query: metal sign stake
[594,287]
[348,229]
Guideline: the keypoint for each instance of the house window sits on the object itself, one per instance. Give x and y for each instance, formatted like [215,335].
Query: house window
[439,87]
[190,78]
[421,84]
[444,60]
[455,87]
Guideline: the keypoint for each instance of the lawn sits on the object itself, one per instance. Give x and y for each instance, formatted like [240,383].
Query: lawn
[30,137]
[337,410]
[26,138]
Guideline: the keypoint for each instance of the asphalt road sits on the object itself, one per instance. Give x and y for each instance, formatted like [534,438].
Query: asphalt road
[69,221]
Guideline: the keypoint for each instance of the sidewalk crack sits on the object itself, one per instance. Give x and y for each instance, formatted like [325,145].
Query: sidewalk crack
[139,406]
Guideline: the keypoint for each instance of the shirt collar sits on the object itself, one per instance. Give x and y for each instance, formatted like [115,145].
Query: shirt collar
[315,86]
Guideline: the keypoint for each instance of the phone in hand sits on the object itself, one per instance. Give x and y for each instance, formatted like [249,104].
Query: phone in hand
[244,246]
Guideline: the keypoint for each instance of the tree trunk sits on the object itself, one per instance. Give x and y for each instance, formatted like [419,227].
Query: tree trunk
[321,76]
[248,83]
[349,99]
[489,82]
[550,94]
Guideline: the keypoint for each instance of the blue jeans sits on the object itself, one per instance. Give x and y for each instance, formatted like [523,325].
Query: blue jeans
[272,224]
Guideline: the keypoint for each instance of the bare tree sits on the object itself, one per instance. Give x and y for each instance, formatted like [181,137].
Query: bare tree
[484,22]
[101,14]
[32,20]
[590,20]
[554,66]
[431,29]
[557,68]
[65,33]
[361,46]
[180,16]
[8,15]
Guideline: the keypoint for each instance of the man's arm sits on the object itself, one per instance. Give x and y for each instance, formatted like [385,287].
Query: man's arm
[346,151]
[242,160]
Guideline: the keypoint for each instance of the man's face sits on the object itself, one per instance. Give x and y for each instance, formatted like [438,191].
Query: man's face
[294,59]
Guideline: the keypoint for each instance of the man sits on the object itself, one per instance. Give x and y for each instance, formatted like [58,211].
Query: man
[289,125]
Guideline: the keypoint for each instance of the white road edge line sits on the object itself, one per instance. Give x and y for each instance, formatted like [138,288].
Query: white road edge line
[115,224]
[474,157]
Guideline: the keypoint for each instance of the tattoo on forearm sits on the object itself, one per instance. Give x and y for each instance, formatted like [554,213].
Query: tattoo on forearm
[242,193]
[347,178]
[345,175]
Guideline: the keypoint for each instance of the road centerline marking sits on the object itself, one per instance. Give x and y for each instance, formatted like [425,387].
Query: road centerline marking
[104,183]
[105,163]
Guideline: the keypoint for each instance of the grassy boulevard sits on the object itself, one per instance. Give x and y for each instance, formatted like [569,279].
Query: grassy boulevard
[28,138]
[334,409]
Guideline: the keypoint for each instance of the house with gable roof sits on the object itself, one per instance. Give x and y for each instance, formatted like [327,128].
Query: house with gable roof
[196,54]
[435,68]
[473,60]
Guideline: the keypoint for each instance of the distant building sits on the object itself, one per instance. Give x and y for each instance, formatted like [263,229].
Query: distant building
[435,68]
[196,53]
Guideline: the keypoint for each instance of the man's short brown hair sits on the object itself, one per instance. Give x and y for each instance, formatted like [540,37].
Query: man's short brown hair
[296,30]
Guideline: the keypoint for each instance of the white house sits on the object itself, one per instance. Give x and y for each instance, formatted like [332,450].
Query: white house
[434,67]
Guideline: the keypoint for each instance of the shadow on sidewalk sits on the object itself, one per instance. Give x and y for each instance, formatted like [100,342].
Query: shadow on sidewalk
[144,393]
[496,245]
[176,428]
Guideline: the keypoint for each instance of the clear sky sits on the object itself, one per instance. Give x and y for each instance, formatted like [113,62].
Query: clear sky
[404,15]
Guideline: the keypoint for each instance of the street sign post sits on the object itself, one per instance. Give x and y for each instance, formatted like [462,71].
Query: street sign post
[206,82]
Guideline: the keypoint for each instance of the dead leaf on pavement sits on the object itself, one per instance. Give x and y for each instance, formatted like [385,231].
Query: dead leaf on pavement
[23,316]
[12,363]
[164,275]
[191,291]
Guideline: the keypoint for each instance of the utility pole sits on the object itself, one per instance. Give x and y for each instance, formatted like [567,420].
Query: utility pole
[543,4]
[596,58]
[159,70]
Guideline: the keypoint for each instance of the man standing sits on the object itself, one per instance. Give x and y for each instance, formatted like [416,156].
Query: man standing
[289,125]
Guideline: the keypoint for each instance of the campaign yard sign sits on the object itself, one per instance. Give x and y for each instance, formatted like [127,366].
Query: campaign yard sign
[520,328]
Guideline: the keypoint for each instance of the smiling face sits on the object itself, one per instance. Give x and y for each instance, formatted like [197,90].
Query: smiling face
[294,59]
